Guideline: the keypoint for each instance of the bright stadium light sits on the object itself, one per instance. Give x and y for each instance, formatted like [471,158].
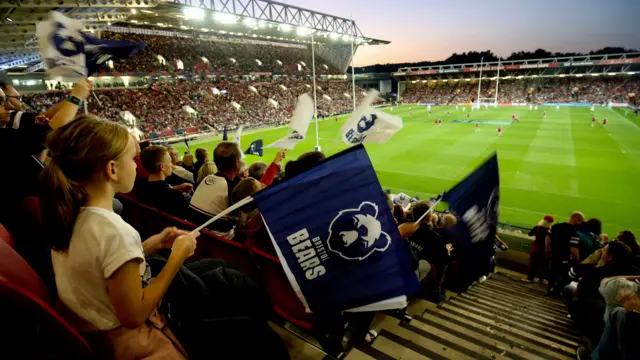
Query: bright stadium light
[346,37]
[193,13]
[134,21]
[613,73]
[284,27]
[147,11]
[334,36]
[134,11]
[303,31]
[595,74]
[262,24]
[225,18]
[252,23]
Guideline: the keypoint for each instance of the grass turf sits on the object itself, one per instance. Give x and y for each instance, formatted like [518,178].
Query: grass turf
[547,166]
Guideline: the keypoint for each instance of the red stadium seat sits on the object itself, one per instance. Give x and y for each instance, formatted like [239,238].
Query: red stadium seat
[16,270]
[283,298]
[36,330]
[6,237]
[149,221]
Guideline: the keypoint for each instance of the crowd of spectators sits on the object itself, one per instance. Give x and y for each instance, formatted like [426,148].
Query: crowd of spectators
[161,105]
[599,90]
[599,278]
[215,56]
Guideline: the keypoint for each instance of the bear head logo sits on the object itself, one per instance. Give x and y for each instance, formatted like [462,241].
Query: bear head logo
[354,234]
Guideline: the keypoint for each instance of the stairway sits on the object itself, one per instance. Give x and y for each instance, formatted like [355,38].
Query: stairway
[503,318]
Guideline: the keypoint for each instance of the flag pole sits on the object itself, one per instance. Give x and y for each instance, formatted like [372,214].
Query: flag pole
[353,71]
[228,210]
[315,98]
[480,81]
[430,210]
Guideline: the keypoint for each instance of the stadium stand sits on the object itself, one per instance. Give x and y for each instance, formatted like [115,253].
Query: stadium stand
[542,90]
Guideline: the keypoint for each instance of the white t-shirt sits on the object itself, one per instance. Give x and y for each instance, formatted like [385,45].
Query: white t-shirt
[100,244]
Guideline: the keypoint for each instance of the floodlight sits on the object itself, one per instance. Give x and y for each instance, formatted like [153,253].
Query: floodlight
[303,31]
[250,22]
[334,36]
[225,18]
[134,11]
[346,37]
[134,21]
[193,13]
[147,11]
[262,24]
[285,27]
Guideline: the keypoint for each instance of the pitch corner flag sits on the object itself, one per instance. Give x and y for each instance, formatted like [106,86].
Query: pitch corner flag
[255,148]
[339,244]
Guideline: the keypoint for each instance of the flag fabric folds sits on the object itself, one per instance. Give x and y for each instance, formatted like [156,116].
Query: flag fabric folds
[68,52]
[236,139]
[369,125]
[255,148]
[339,255]
[475,201]
[299,124]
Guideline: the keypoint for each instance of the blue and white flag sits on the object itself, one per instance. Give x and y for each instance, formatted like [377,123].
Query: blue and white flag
[369,125]
[475,201]
[336,237]
[70,53]
[255,148]
[298,126]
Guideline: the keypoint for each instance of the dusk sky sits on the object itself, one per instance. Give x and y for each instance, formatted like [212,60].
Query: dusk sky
[432,30]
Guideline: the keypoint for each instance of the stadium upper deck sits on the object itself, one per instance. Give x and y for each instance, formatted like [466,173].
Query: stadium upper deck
[247,19]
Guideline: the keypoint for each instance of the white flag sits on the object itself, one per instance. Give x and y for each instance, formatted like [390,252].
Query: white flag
[236,139]
[299,124]
[368,125]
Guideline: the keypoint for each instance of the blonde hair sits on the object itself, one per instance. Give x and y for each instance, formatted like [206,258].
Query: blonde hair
[208,168]
[78,150]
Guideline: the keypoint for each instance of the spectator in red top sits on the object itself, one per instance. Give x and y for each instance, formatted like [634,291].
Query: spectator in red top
[537,254]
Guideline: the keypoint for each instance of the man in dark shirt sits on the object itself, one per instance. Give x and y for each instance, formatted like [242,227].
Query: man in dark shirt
[558,248]
[202,156]
[587,307]
[428,245]
[156,191]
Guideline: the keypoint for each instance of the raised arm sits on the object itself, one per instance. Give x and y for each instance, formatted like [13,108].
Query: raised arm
[65,112]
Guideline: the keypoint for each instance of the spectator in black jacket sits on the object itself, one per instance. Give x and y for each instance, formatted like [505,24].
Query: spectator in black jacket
[156,191]
[587,306]
[428,245]
[202,156]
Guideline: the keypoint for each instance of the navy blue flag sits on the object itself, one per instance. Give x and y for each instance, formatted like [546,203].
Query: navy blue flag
[68,51]
[475,201]
[336,237]
[255,148]
[225,137]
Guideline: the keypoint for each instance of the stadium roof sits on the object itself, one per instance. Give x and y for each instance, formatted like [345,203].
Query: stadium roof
[244,18]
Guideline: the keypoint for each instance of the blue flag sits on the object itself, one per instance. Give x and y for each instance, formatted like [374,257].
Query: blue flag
[255,148]
[67,51]
[336,237]
[475,201]
[225,137]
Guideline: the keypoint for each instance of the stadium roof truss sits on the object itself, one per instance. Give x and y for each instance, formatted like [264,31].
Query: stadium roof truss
[333,34]
[590,65]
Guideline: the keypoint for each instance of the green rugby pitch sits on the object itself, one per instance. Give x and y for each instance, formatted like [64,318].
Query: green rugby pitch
[547,166]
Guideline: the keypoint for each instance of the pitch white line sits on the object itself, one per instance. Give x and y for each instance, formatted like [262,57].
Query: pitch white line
[627,120]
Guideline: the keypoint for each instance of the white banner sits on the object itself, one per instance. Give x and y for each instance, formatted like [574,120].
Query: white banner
[299,124]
